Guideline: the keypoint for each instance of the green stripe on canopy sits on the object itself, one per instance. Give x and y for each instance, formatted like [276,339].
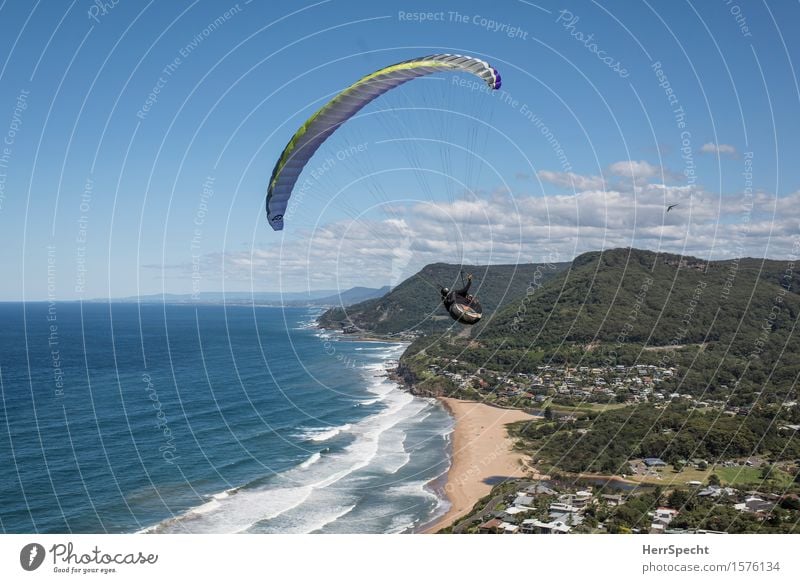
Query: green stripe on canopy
[313,133]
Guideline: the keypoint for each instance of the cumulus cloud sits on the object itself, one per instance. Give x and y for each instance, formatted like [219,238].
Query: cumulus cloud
[510,228]
[635,169]
[719,149]
[572,180]
[623,175]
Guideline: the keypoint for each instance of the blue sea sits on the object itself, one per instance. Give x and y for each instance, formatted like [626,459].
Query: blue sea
[127,418]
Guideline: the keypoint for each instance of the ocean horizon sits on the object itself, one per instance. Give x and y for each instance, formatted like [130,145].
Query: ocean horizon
[211,419]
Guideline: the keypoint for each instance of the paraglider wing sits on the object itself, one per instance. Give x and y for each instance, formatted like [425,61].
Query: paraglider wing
[345,105]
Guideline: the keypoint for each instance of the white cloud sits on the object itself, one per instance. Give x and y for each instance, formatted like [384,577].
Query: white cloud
[719,149]
[638,170]
[572,180]
[506,228]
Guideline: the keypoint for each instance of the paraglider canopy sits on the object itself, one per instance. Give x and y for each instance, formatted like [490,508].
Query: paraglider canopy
[313,133]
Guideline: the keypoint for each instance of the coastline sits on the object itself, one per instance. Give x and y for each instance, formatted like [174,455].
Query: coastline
[482,456]
[482,453]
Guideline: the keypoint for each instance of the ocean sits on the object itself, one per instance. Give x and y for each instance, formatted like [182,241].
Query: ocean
[127,418]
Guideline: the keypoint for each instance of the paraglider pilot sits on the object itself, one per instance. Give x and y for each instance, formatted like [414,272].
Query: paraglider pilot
[462,307]
[449,297]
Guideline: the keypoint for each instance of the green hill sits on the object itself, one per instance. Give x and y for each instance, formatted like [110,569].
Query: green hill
[727,325]
[605,442]
[415,304]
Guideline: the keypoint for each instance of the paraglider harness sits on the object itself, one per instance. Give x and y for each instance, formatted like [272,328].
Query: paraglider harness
[463,307]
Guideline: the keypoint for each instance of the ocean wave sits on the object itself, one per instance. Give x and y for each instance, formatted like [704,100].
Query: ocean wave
[391,463]
[418,489]
[235,514]
[375,366]
[333,516]
[313,458]
[318,512]
[323,433]
[323,489]
[368,402]
[381,387]
[306,324]
[225,494]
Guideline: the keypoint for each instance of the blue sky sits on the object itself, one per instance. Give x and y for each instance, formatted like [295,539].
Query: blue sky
[109,191]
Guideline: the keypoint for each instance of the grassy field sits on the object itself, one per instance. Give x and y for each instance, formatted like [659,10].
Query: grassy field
[736,477]
[597,407]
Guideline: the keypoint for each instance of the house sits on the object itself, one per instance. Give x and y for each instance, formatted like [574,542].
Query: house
[523,499]
[492,526]
[612,499]
[508,528]
[577,500]
[654,462]
[661,519]
[510,513]
[755,504]
[664,514]
[540,490]
[763,495]
[567,518]
[534,526]
[561,507]
[716,491]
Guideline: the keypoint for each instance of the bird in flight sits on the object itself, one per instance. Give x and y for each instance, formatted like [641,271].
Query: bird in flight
[672,206]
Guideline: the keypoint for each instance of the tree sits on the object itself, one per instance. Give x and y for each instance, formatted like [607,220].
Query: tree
[548,413]
[790,502]
[678,498]
[713,480]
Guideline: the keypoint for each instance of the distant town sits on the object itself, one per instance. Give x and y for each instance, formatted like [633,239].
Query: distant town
[543,507]
[576,386]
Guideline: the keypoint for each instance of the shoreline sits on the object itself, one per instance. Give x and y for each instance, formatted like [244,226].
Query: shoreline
[481,456]
[481,452]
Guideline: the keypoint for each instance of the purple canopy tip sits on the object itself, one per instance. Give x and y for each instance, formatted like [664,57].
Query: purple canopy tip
[497,79]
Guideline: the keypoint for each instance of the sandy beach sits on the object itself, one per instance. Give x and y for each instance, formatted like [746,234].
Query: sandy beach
[481,453]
